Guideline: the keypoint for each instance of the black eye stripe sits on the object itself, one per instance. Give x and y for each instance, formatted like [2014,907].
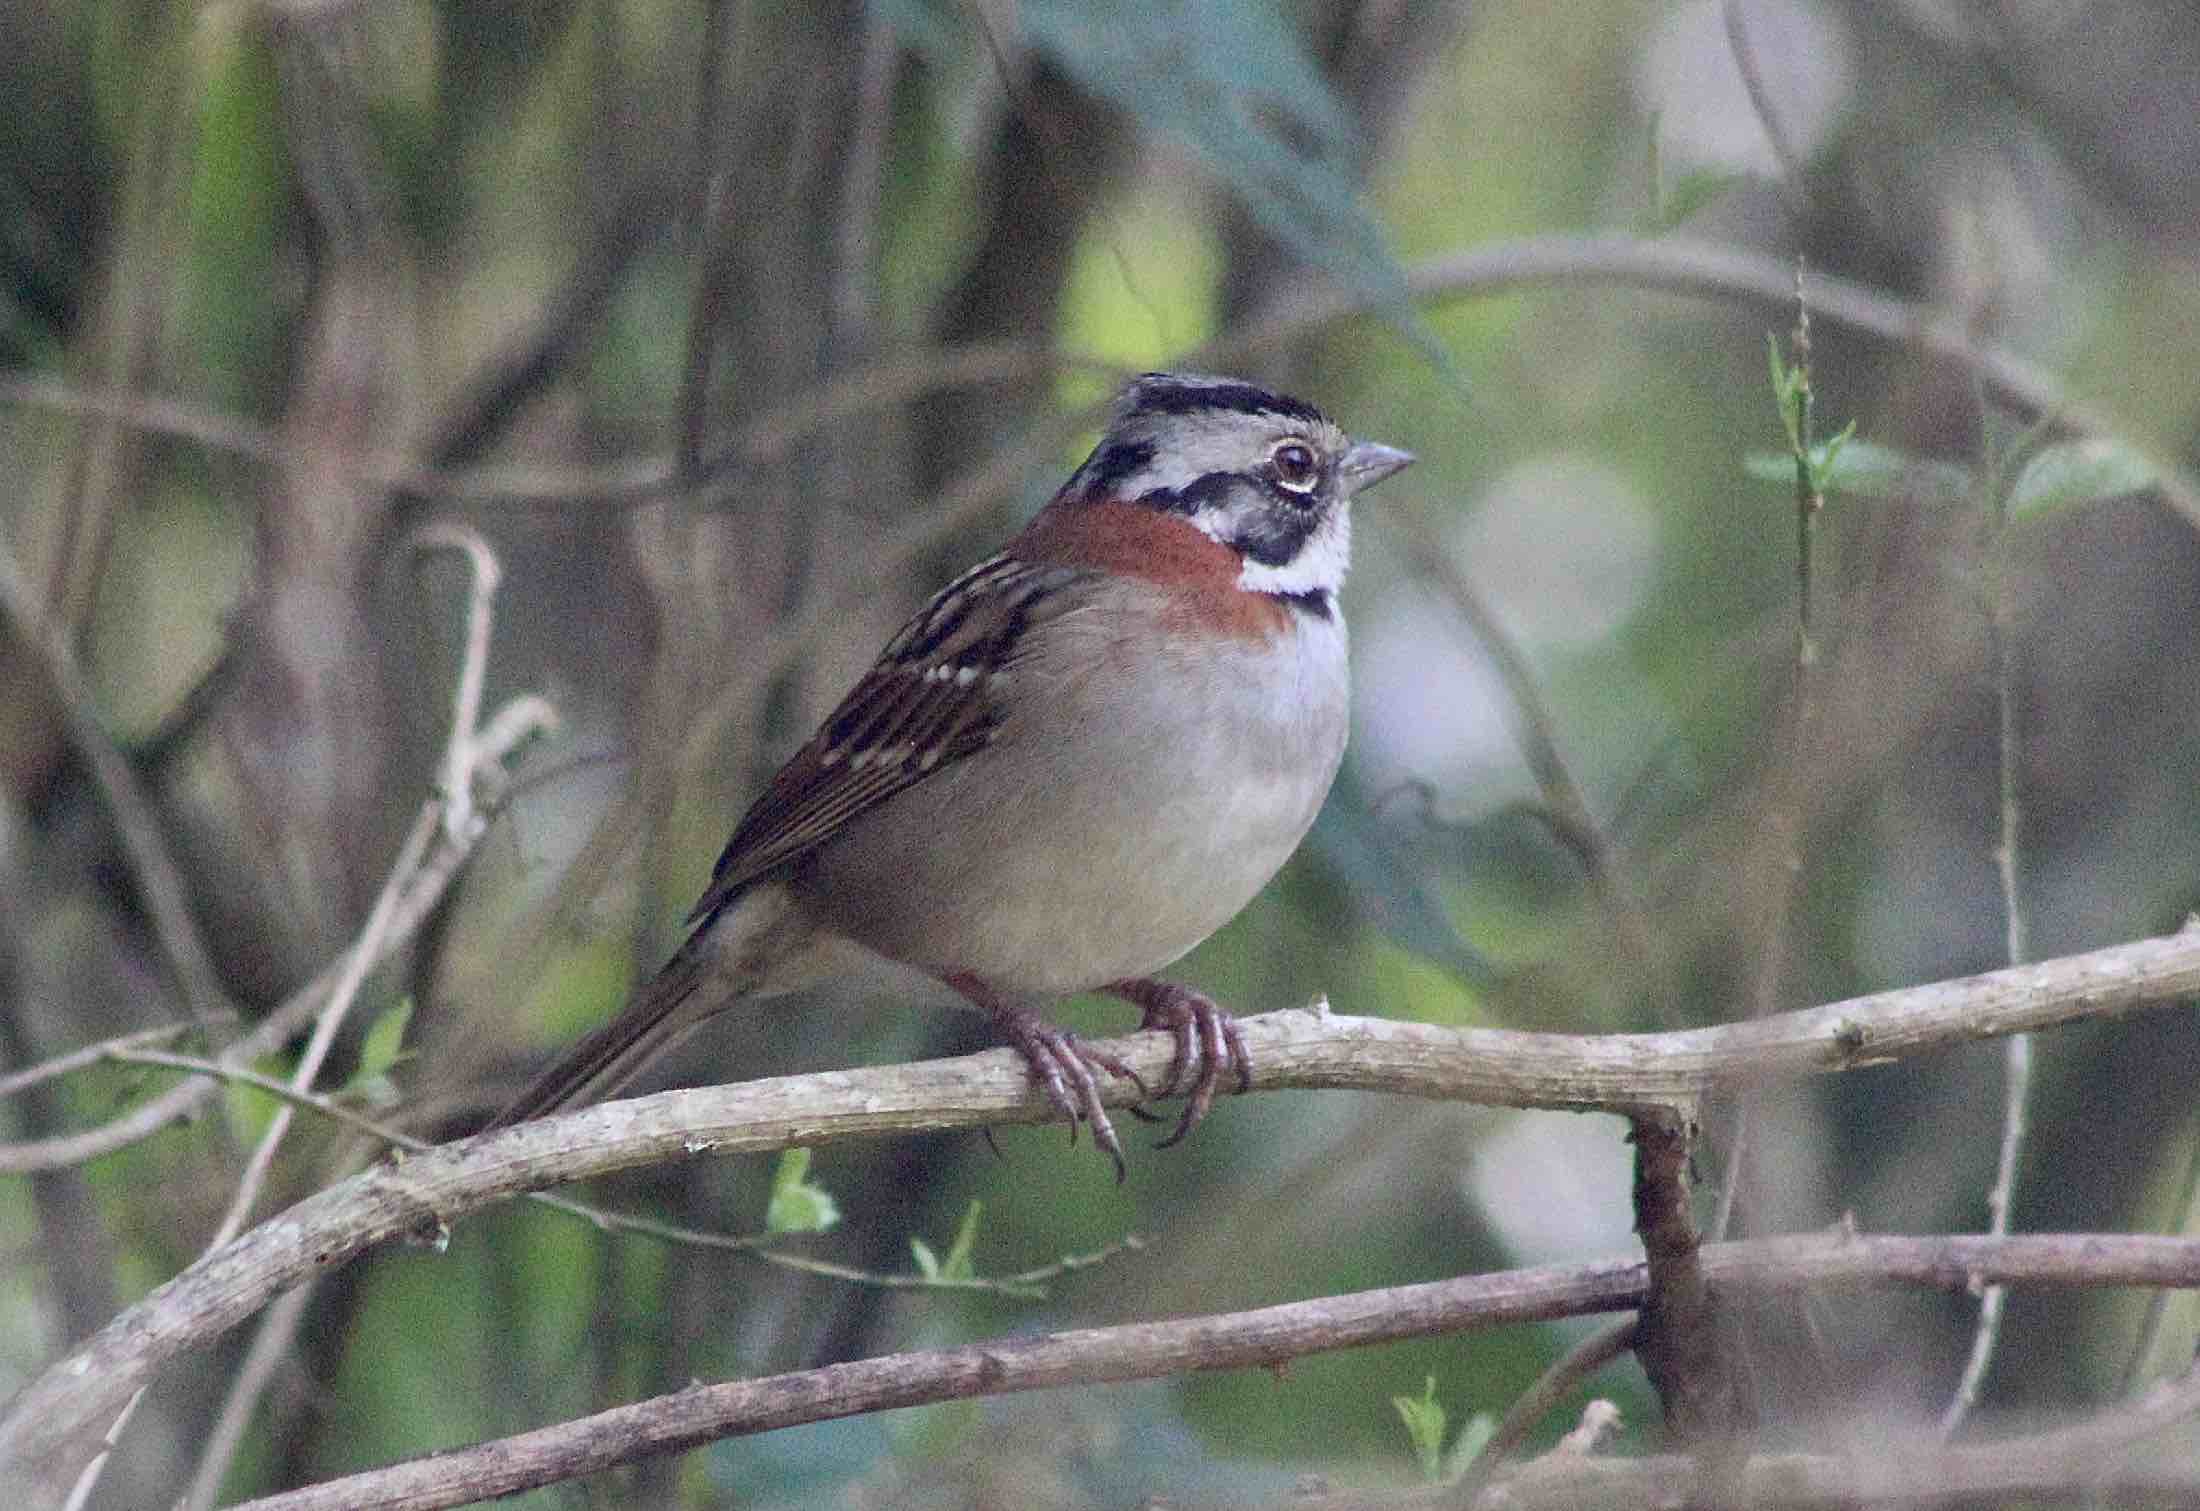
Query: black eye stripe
[1114,462]
[1213,488]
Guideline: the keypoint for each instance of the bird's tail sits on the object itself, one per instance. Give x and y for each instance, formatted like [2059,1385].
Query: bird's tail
[659,1014]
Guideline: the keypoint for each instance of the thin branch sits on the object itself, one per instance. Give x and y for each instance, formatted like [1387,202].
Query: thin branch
[88,1481]
[1671,264]
[713,246]
[2008,864]
[358,961]
[90,1055]
[1238,1340]
[1623,1073]
[2156,1323]
[1705,270]
[462,764]
[1026,1285]
[518,722]
[1535,733]
[272,1343]
[454,816]
[1761,101]
[2088,1465]
[144,845]
[1774,863]
[289,1092]
[1552,1386]
[277,1028]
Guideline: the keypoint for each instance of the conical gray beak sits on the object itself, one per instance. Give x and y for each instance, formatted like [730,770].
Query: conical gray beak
[1366,463]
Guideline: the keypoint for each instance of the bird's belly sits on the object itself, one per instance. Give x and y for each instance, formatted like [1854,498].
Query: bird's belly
[1108,849]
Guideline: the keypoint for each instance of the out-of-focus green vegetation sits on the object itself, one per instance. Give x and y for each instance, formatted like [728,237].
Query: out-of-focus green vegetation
[284,282]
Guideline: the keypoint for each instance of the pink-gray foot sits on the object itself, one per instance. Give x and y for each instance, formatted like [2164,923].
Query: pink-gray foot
[1207,1039]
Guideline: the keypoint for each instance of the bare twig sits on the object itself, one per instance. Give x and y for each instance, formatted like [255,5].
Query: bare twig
[90,1055]
[1761,101]
[1673,264]
[1682,265]
[272,1342]
[88,1481]
[2187,1209]
[272,1032]
[455,818]
[1570,1369]
[713,246]
[358,961]
[289,1092]
[159,879]
[519,721]
[1535,733]
[2092,1464]
[1775,861]
[2008,864]
[1028,1284]
[462,765]
[1266,1336]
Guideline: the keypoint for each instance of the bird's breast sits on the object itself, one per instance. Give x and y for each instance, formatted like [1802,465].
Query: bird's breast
[1144,785]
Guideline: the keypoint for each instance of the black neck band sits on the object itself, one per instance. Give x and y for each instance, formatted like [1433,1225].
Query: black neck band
[1315,601]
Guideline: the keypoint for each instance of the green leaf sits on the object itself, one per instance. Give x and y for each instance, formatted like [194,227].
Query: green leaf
[385,1041]
[958,1265]
[797,1206]
[1398,888]
[1679,202]
[1864,469]
[2079,472]
[1786,383]
[250,1110]
[1230,79]
[379,1053]
[1424,1419]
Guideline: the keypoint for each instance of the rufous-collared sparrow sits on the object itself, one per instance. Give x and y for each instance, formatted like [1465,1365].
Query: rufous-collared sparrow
[1080,759]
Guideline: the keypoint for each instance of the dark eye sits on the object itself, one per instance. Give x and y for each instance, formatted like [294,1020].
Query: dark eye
[1297,468]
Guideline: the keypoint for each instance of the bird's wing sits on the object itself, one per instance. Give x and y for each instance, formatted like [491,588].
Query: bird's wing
[932,699]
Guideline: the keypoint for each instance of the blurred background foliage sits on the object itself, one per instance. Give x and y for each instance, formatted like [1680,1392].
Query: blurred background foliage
[738,327]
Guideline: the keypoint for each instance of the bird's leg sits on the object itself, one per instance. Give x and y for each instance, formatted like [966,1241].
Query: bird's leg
[1206,1037]
[1062,1064]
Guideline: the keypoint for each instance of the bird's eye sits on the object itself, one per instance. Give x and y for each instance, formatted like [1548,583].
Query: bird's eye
[1297,468]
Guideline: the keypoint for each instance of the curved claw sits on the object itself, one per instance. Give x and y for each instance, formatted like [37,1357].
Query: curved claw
[1207,1039]
[1063,1065]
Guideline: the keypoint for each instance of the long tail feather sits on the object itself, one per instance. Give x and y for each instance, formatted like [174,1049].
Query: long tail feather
[659,1014]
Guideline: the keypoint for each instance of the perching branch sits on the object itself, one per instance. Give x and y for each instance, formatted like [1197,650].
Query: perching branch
[1621,1073]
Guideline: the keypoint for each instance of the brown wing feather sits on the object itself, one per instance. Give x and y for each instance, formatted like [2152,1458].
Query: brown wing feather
[930,701]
